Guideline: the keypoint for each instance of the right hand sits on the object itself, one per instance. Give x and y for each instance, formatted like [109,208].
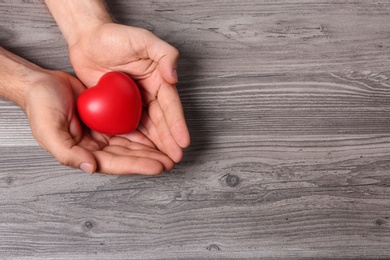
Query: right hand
[152,63]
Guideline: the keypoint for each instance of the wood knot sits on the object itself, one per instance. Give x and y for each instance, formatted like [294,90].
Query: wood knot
[213,247]
[232,180]
[379,222]
[89,224]
[9,180]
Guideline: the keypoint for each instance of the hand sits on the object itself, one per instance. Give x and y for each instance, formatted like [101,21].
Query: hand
[152,63]
[50,107]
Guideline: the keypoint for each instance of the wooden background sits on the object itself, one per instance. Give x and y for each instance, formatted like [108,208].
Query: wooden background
[288,105]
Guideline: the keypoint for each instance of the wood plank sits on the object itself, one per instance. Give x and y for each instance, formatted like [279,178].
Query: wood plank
[287,104]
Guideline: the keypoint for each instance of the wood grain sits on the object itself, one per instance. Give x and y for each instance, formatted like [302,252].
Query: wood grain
[288,107]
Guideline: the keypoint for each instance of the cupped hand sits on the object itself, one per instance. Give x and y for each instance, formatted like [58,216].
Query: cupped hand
[152,63]
[50,107]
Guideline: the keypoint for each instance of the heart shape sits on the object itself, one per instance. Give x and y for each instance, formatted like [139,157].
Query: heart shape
[113,106]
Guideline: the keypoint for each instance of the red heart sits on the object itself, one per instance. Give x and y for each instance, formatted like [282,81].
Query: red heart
[113,106]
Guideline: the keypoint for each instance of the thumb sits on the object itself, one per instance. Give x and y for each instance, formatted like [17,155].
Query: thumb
[168,67]
[68,153]
[76,157]
[166,56]
[64,148]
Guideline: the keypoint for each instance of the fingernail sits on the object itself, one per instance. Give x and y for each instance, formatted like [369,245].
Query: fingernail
[86,167]
[174,75]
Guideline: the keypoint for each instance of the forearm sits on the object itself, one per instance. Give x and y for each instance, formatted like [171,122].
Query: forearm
[16,75]
[75,17]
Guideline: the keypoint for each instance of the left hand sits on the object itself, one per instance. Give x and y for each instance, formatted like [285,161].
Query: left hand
[152,63]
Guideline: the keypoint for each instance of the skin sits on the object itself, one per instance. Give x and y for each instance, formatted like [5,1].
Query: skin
[48,98]
[90,32]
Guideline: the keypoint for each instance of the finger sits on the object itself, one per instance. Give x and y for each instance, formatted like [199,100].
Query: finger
[170,147]
[150,154]
[124,142]
[172,108]
[121,164]
[147,127]
[138,137]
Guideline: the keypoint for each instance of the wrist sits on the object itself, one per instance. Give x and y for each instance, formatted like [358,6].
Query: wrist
[76,18]
[17,75]
[76,36]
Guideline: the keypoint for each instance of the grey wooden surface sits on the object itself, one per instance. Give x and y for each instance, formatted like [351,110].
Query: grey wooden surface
[288,105]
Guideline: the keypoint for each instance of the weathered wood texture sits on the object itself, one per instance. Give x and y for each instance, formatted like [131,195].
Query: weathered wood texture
[288,105]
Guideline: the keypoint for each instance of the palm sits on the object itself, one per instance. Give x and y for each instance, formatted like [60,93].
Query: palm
[143,56]
[104,51]
[56,127]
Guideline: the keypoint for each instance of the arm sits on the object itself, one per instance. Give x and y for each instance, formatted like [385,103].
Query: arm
[15,74]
